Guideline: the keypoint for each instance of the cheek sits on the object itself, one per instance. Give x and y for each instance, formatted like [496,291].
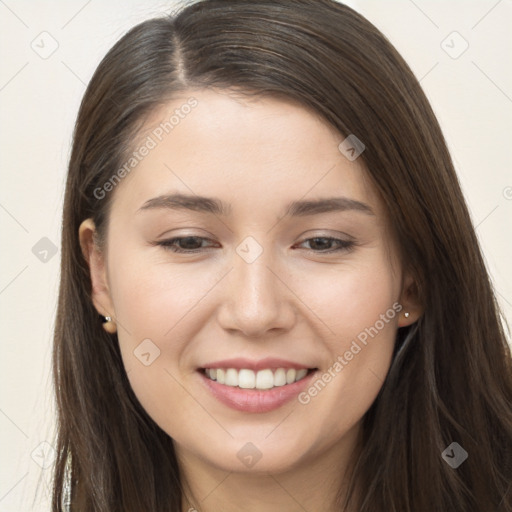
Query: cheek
[346,387]
[360,307]
[157,306]
[154,304]
[150,295]
[351,296]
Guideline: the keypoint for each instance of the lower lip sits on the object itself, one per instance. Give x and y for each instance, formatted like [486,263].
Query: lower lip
[255,400]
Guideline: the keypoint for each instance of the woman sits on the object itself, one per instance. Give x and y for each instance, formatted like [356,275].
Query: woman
[272,294]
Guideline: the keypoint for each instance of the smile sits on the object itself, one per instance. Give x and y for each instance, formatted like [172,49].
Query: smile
[249,379]
[251,386]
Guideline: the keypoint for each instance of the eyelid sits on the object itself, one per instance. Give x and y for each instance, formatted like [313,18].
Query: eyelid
[170,233]
[315,233]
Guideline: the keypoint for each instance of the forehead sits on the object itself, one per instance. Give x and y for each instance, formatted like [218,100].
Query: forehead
[256,152]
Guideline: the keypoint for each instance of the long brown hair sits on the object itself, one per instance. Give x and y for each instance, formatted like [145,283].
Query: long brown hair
[451,375]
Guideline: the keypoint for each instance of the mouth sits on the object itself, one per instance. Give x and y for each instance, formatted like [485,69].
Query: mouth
[255,387]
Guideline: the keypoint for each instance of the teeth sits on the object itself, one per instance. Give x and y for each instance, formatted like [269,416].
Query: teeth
[231,377]
[264,379]
[301,374]
[248,379]
[280,377]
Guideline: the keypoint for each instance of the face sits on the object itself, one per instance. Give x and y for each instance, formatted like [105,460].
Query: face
[257,324]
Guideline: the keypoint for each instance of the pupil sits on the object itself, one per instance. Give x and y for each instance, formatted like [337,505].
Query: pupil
[187,241]
[325,245]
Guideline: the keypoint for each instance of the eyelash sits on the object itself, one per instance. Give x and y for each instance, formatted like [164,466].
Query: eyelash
[169,245]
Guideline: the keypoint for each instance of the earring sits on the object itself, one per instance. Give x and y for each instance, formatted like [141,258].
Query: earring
[406,314]
[109,325]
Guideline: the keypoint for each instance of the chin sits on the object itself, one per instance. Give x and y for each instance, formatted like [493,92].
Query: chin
[252,457]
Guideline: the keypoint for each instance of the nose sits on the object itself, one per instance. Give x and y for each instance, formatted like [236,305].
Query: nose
[258,300]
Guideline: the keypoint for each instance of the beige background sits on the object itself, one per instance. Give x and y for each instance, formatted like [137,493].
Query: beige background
[39,98]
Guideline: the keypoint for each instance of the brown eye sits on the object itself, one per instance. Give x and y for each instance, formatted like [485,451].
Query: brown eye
[184,244]
[324,244]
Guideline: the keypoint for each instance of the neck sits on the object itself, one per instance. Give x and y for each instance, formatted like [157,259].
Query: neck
[314,483]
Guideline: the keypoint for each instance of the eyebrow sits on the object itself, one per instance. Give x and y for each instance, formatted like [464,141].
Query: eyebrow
[214,206]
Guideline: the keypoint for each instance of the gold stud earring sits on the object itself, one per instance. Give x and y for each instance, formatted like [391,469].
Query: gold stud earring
[109,325]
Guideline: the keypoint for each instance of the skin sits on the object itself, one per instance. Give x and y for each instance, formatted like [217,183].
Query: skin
[293,302]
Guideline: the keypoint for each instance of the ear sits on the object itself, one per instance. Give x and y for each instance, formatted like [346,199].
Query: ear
[409,299]
[97,266]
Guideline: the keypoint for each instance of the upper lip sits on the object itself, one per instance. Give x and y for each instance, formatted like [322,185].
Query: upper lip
[261,364]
